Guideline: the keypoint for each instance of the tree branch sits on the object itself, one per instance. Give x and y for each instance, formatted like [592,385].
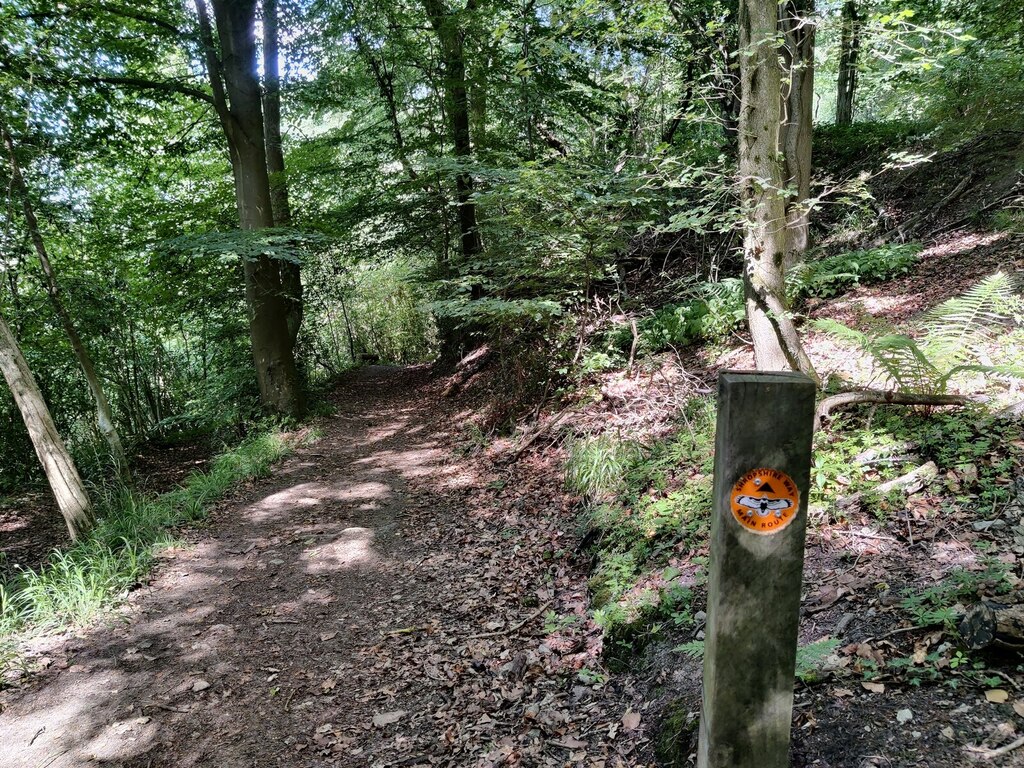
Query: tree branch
[141,84]
[829,404]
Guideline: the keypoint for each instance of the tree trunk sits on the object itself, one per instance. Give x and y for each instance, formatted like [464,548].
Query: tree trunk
[291,276]
[104,415]
[796,25]
[456,338]
[849,48]
[449,35]
[61,473]
[237,98]
[762,173]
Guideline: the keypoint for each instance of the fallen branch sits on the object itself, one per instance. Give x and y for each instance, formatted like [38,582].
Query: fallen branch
[884,397]
[1012,194]
[909,483]
[515,627]
[884,453]
[918,222]
[407,630]
[994,622]
[467,368]
[992,754]
[547,427]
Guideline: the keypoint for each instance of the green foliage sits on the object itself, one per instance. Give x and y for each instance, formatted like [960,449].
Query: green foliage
[953,333]
[934,605]
[842,148]
[811,658]
[981,92]
[837,274]
[1009,220]
[712,312]
[657,497]
[75,584]
[597,467]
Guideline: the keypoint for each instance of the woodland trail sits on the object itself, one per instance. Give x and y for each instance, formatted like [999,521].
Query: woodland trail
[352,609]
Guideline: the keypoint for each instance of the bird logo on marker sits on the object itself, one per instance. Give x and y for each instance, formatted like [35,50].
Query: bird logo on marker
[763,505]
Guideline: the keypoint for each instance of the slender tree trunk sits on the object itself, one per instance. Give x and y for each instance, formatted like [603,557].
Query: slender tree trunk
[237,99]
[849,48]
[456,338]
[449,35]
[796,26]
[104,415]
[61,473]
[291,276]
[762,172]
[385,80]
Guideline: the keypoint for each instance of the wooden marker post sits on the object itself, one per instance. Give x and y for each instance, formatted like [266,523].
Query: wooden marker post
[762,474]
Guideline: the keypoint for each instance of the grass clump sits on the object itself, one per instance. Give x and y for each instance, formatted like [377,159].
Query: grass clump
[77,583]
[644,503]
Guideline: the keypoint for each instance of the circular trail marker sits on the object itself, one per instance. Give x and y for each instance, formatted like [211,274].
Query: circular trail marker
[764,500]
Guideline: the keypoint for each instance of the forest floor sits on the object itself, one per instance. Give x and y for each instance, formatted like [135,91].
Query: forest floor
[372,603]
[399,593]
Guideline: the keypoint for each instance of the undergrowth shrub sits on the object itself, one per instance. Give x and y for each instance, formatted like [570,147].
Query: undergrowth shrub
[711,311]
[954,333]
[837,274]
[597,467]
[652,499]
[841,148]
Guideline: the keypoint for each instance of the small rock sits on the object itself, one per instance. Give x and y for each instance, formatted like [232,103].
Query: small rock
[904,716]
[387,718]
[700,617]
[948,733]
[199,685]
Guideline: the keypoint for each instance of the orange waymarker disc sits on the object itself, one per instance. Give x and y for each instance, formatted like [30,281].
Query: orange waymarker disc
[765,500]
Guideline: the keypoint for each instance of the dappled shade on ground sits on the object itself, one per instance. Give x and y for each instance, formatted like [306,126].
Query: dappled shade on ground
[365,606]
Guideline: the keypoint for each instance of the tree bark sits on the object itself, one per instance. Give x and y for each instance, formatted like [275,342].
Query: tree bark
[449,35]
[61,473]
[291,276]
[238,102]
[849,49]
[796,26]
[777,344]
[104,415]
[457,338]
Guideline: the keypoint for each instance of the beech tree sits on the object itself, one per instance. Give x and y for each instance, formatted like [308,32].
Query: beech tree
[291,276]
[61,472]
[232,70]
[774,167]
[446,25]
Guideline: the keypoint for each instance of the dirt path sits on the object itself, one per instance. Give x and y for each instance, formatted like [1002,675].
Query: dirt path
[360,607]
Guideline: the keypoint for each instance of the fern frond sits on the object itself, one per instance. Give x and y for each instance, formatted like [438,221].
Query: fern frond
[1004,370]
[841,332]
[954,328]
[898,356]
[905,363]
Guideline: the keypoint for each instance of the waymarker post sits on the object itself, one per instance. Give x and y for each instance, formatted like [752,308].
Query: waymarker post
[762,475]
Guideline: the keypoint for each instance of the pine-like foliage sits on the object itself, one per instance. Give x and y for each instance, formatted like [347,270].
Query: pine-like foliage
[954,332]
